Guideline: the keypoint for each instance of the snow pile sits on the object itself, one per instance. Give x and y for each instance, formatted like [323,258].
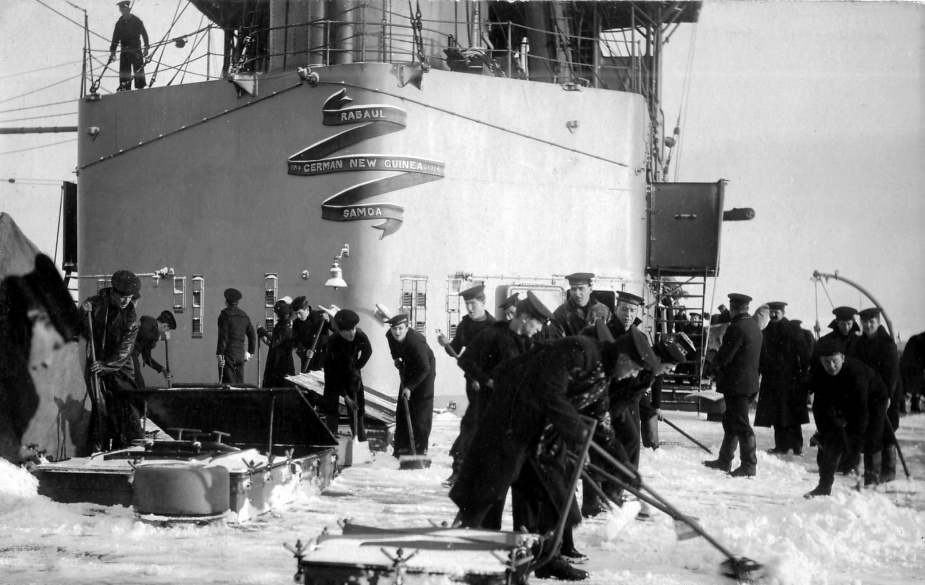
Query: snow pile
[16,482]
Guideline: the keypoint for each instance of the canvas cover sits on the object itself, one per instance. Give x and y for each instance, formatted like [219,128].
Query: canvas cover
[52,416]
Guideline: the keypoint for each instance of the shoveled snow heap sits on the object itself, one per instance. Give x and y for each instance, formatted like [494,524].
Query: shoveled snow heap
[875,537]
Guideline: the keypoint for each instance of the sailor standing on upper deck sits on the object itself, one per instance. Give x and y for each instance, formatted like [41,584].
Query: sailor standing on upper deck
[234,328]
[129,31]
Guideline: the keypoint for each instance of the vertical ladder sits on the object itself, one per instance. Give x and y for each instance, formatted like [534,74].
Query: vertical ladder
[677,300]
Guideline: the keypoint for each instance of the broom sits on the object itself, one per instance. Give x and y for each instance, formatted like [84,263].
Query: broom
[413,461]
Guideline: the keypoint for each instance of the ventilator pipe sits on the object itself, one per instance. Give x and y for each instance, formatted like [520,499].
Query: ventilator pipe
[889,324]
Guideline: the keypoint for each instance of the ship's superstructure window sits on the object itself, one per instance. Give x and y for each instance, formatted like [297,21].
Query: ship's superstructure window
[414,300]
[179,293]
[455,305]
[199,288]
[270,292]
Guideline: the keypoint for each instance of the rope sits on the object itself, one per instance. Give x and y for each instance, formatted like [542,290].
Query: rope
[474,120]
[41,88]
[685,99]
[38,106]
[38,117]
[818,327]
[69,19]
[188,127]
[37,147]
[40,69]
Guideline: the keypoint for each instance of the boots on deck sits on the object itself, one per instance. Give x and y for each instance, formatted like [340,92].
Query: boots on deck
[872,463]
[749,458]
[888,464]
[726,452]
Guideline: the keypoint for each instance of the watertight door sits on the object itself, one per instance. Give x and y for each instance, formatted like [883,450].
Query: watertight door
[684,228]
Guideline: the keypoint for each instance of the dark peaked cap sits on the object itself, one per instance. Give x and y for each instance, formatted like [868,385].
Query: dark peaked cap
[397,319]
[473,292]
[829,346]
[232,295]
[844,313]
[870,313]
[536,308]
[509,302]
[776,305]
[346,319]
[167,317]
[669,352]
[580,278]
[629,298]
[641,351]
[125,283]
[739,299]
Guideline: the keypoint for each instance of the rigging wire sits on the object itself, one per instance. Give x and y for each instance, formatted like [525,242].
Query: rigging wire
[38,106]
[78,76]
[685,99]
[38,147]
[69,19]
[27,72]
[38,117]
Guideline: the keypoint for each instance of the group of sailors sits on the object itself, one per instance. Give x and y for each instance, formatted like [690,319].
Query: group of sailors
[541,385]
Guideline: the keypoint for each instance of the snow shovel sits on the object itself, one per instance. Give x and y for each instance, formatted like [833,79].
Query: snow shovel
[576,475]
[413,461]
[899,451]
[741,568]
[692,439]
[682,530]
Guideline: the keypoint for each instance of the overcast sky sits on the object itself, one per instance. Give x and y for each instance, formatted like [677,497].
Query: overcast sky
[813,111]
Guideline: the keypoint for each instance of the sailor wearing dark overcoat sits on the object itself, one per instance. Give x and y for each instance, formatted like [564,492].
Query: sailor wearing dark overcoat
[529,423]
[849,409]
[783,366]
[279,356]
[876,348]
[150,330]
[580,308]
[736,366]
[234,329]
[346,353]
[417,371]
[473,323]
[310,331]
[114,422]
[129,32]
[500,341]
[843,328]
[912,370]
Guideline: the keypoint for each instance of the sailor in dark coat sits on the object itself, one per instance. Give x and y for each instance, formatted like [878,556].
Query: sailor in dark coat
[784,365]
[129,32]
[736,366]
[345,354]
[150,330]
[114,422]
[843,328]
[580,308]
[912,370]
[474,322]
[279,356]
[310,331]
[417,370]
[502,340]
[877,349]
[234,328]
[849,409]
[529,423]
[508,306]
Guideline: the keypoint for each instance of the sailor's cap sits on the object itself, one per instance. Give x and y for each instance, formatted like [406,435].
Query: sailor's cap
[232,295]
[870,313]
[168,318]
[346,319]
[509,302]
[398,319]
[739,300]
[579,278]
[471,293]
[844,313]
[125,283]
[629,298]
[535,307]
[776,305]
